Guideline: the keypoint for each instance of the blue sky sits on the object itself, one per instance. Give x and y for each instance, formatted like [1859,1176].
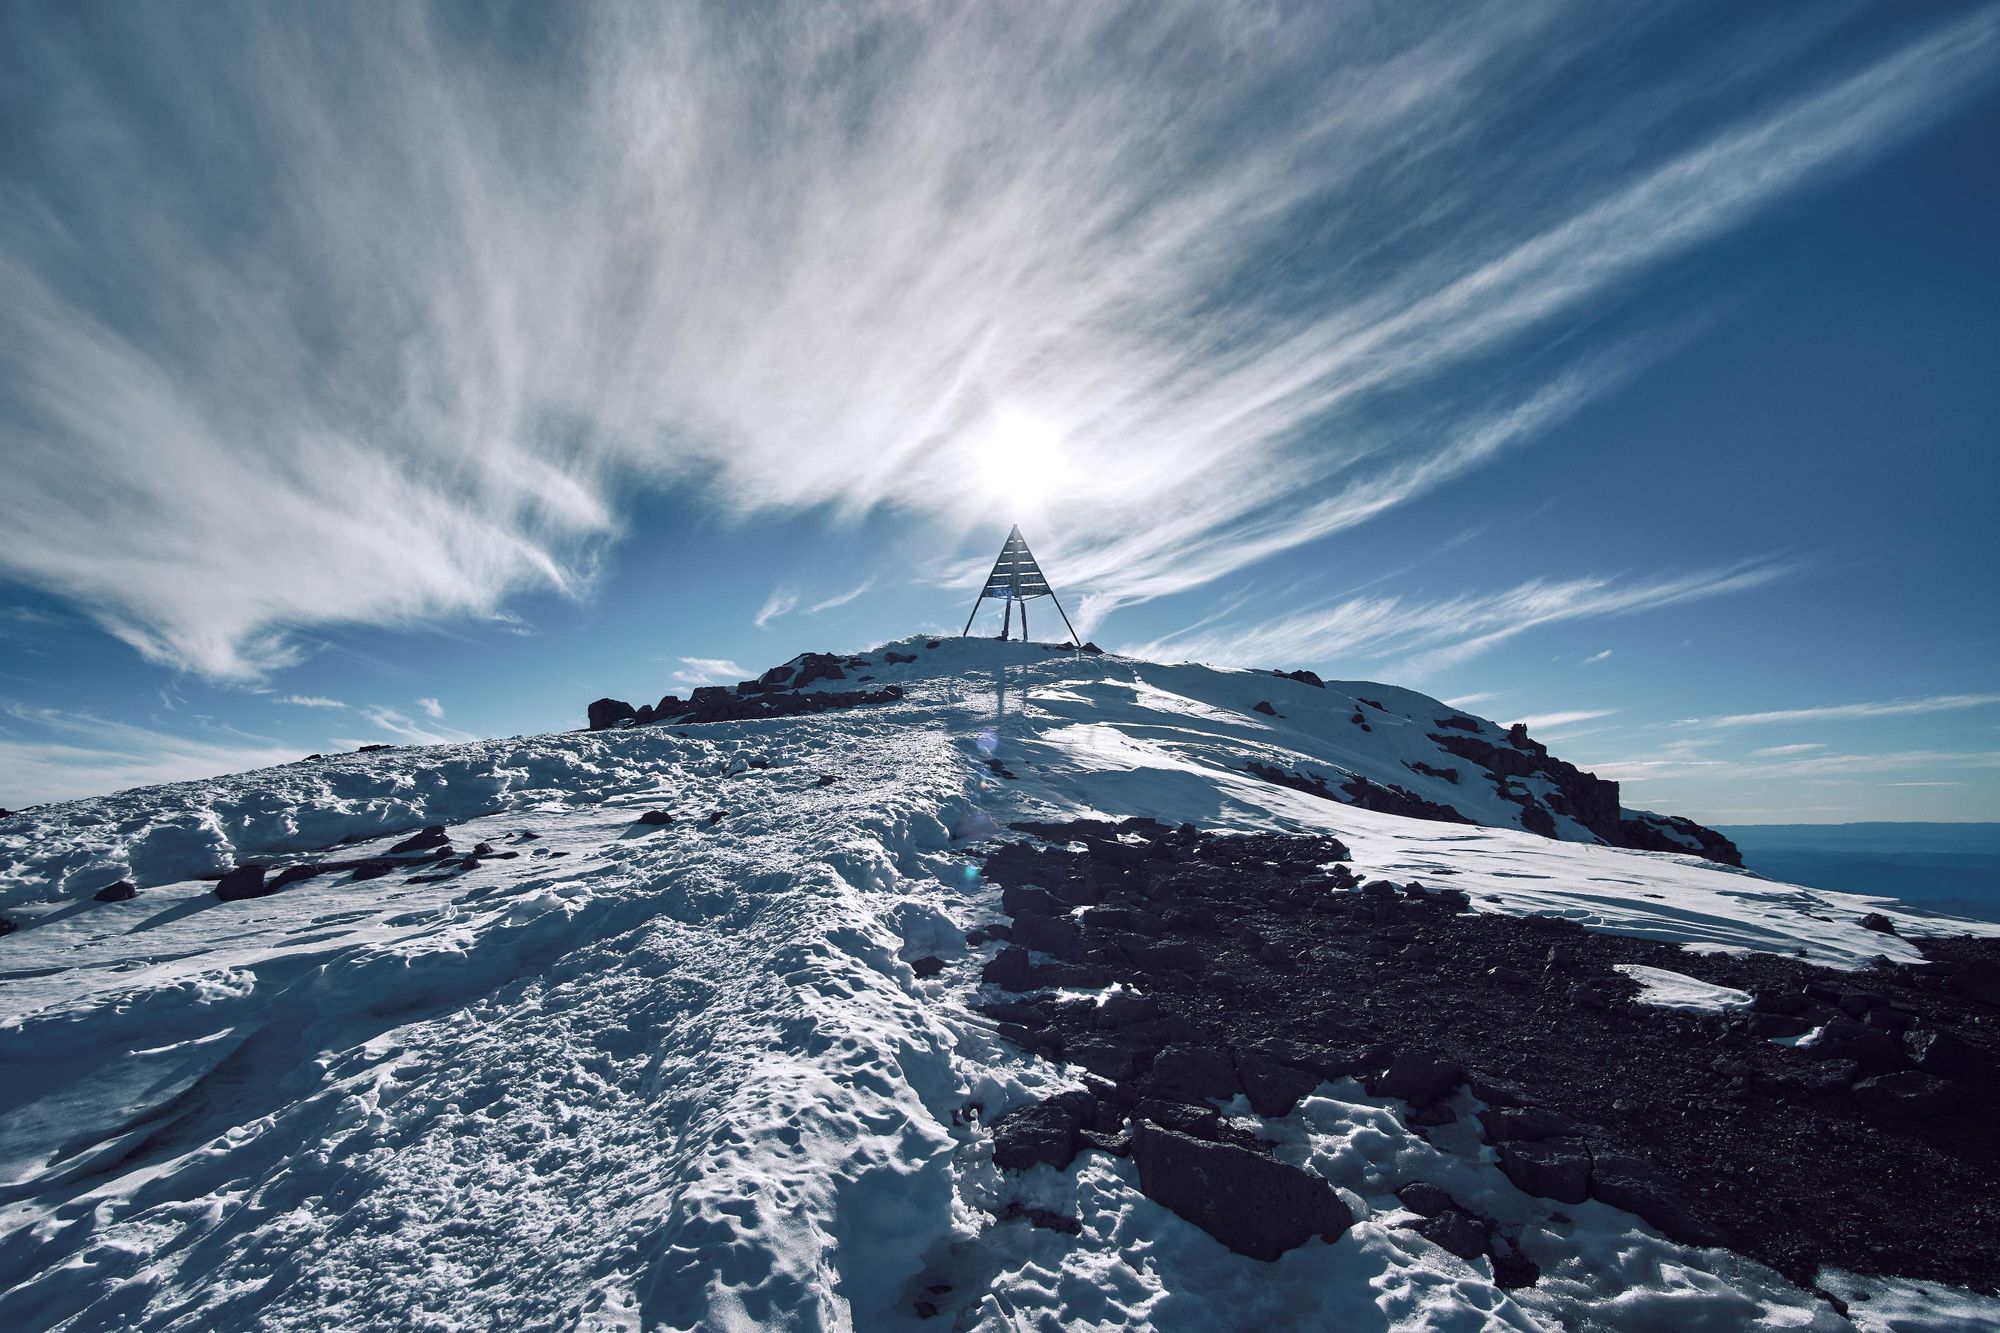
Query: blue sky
[383,373]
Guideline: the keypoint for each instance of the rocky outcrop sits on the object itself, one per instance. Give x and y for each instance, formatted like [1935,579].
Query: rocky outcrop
[1254,1204]
[607,713]
[1357,790]
[1644,831]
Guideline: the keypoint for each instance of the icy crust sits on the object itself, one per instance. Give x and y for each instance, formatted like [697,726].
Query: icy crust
[685,1077]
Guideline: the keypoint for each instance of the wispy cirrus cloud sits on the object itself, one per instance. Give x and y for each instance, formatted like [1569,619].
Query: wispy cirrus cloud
[310,701]
[1936,703]
[408,346]
[1547,721]
[1428,636]
[709,671]
[49,754]
[431,707]
[1597,657]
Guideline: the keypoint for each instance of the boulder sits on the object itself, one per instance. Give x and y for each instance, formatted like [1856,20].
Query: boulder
[1626,1182]
[1196,1072]
[123,891]
[1419,1077]
[1932,1050]
[433,835]
[926,967]
[1877,922]
[654,818]
[1265,707]
[1460,1233]
[607,713]
[1908,1094]
[1556,1169]
[1505,1124]
[1424,1199]
[1978,981]
[1255,1205]
[1044,1132]
[1273,1086]
[243,882]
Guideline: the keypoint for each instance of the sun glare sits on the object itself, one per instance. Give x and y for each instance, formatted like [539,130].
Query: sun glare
[1022,458]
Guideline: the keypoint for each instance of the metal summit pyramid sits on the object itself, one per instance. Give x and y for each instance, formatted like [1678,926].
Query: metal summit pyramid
[1016,578]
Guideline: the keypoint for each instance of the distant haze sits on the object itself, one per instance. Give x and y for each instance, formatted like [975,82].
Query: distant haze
[1950,868]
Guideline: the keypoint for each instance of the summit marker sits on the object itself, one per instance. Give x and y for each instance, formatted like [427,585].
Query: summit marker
[1016,578]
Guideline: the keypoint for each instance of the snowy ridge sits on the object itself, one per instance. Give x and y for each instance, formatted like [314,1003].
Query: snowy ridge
[685,1077]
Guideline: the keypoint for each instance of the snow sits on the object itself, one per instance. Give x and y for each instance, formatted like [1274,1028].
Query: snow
[1677,990]
[684,1077]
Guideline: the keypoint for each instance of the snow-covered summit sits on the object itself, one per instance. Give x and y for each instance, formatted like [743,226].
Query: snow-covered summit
[608,1074]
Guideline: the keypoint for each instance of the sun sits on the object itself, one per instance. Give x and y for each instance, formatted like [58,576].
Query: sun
[1022,457]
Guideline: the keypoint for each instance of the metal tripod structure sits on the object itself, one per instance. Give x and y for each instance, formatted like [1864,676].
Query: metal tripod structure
[1016,578]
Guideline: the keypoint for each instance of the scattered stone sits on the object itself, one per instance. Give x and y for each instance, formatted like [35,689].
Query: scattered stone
[122,891]
[1273,1086]
[654,818]
[716,817]
[482,849]
[1877,922]
[433,835]
[371,749]
[1046,1218]
[827,779]
[1264,706]
[1255,1205]
[927,967]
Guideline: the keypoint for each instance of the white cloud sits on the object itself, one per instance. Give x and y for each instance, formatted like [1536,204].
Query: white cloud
[1541,721]
[1479,697]
[50,755]
[1431,636]
[406,728]
[782,601]
[1937,703]
[1816,766]
[310,701]
[1776,751]
[1597,657]
[840,599]
[431,707]
[393,368]
[709,671]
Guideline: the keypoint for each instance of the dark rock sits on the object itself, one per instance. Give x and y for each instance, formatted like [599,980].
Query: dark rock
[1513,1270]
[1932,1050]
[1195,1071]
[1908,1094]
[1092,649]
[1046,1218]
[1264,706]
[291,875]
[122,891]
[482,849]
[1526,1123]
[365,870]
[1455,1231]
[1045,1131]
[607,713]
[243,882]
[1518,733]
[371,749]
[1556,1169]
[895,658]
[1979,981]
[433,835]
[1626,1182]
[1116,1057]
[655,818]
[1877,922]
[1012,969]
[716,817]
[8,925]
[1828,1077]
[827,779]
[1425,1199]
[1779,1025]
[1873,1051]
[1273,1087]
[1255,1205]
[927,967]
[1419,1078]
[1303,677]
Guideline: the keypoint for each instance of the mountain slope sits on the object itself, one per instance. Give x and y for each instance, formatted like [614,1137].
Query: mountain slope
[615,1074]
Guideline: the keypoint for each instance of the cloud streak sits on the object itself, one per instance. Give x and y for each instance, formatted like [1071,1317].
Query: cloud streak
[1429,636]
[1936,703]
[404,318]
